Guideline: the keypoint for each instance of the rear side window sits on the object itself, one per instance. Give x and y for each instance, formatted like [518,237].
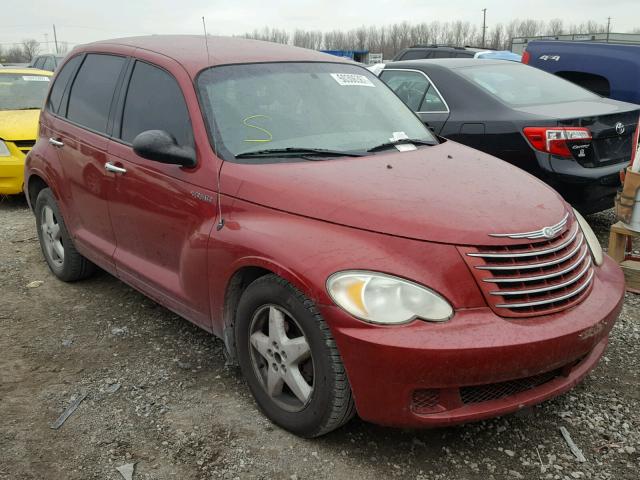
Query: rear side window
[415,90]
[92,91]
[59,85]
[48,64]
[416,55]
[155,102]
[38,62]
[443,54]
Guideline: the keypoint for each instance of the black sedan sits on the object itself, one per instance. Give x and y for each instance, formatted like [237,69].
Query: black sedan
[571,138]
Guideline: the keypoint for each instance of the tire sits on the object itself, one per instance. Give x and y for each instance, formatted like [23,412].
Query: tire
[57,247]
[329,402]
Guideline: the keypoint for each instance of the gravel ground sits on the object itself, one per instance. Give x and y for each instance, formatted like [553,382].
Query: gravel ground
[158,394]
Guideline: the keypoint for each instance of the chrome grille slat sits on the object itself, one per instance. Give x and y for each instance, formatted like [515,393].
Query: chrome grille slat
[546,301]
[530,266]
[548,288]
[532,253]
[539,277]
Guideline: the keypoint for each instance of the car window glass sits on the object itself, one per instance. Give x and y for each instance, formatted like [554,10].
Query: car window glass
[409,86]
[464,55]
[432,102]
[442,54]
[155,102]
[520,85]
[39,62]
[415,55]
[48,64]
[92,91]
[59,84]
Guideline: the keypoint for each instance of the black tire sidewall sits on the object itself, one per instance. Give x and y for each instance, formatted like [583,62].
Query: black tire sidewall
[311,419]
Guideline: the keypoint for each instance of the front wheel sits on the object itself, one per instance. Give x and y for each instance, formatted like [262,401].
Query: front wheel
[58,249]
[290,360]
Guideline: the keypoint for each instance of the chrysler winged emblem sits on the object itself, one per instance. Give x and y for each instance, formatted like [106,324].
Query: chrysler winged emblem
[545,232]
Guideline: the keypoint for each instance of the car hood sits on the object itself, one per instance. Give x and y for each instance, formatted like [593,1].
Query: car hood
[447,193]
[19,124]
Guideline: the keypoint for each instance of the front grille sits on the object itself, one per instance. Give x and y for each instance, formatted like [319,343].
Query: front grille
[535,278]
[425,400]
[496,391]
[24,145]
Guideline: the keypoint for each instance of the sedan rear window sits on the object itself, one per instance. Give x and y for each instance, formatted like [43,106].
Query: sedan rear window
[330,106]
[522,86]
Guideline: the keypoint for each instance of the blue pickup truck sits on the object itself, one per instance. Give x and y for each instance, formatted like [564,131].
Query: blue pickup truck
[610,70]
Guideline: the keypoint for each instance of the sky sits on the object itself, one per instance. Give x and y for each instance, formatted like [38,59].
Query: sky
[82,21]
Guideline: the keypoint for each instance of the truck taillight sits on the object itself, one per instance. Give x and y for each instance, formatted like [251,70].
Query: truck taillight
[526,56]
[554,140]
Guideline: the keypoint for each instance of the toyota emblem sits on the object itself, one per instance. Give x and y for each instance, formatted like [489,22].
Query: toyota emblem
[619,128]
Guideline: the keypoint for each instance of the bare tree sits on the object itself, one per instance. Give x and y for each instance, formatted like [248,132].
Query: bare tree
[555,27]
[31,48]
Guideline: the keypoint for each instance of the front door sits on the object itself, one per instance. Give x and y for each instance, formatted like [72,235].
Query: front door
[162,214]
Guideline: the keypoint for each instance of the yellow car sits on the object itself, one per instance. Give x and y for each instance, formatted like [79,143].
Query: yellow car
[22,94]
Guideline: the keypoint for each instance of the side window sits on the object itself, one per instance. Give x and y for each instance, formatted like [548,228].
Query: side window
[48,64]
[415,55]
[92,91]
[409,86]
[39,62]
[443,54]
[154,101]
[432,101]
[59,84]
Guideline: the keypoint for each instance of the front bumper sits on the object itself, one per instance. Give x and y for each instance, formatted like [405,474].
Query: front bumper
[425,374]
[11,174]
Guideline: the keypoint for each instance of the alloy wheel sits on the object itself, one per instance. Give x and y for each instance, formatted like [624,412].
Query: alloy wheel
[281,357]
[51,236]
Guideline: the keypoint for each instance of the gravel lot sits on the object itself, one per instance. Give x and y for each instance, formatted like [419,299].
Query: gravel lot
[158,394]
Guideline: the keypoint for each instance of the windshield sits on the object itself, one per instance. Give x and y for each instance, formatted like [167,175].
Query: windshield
[330,106]
[22,92]
[523,86]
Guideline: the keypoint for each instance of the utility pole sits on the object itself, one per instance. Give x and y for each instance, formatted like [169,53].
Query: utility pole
[55,37]
[484,25]
[608,27]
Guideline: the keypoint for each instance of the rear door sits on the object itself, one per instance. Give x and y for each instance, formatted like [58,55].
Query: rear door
[79,133]
[417,90]
[162,214]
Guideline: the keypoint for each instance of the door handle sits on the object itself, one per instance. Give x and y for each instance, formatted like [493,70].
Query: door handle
[56,143]
[110,167]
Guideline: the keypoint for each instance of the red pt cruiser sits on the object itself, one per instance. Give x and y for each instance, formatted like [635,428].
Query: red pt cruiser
[288,202]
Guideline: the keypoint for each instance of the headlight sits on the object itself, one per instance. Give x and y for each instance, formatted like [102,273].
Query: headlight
[592,240]
[379,298]
[4,151]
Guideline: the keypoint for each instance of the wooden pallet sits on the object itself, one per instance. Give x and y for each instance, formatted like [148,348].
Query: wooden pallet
[620,249]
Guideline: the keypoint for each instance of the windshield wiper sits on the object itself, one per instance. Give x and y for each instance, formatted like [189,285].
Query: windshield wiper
[298,152]
[384,146]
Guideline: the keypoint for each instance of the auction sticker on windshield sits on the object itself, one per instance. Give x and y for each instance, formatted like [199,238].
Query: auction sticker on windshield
[352,79]
[35,78]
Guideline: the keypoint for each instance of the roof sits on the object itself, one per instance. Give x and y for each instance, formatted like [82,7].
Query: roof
[191,51]
[446,63]
[25,71]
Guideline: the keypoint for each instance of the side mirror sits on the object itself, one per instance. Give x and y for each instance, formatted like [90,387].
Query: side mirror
[160,146]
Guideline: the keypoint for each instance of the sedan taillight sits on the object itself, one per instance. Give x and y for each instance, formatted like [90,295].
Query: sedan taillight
[554,140]
[526,56]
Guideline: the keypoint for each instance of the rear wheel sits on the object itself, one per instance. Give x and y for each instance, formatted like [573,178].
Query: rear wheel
[62,257]
[289,359]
